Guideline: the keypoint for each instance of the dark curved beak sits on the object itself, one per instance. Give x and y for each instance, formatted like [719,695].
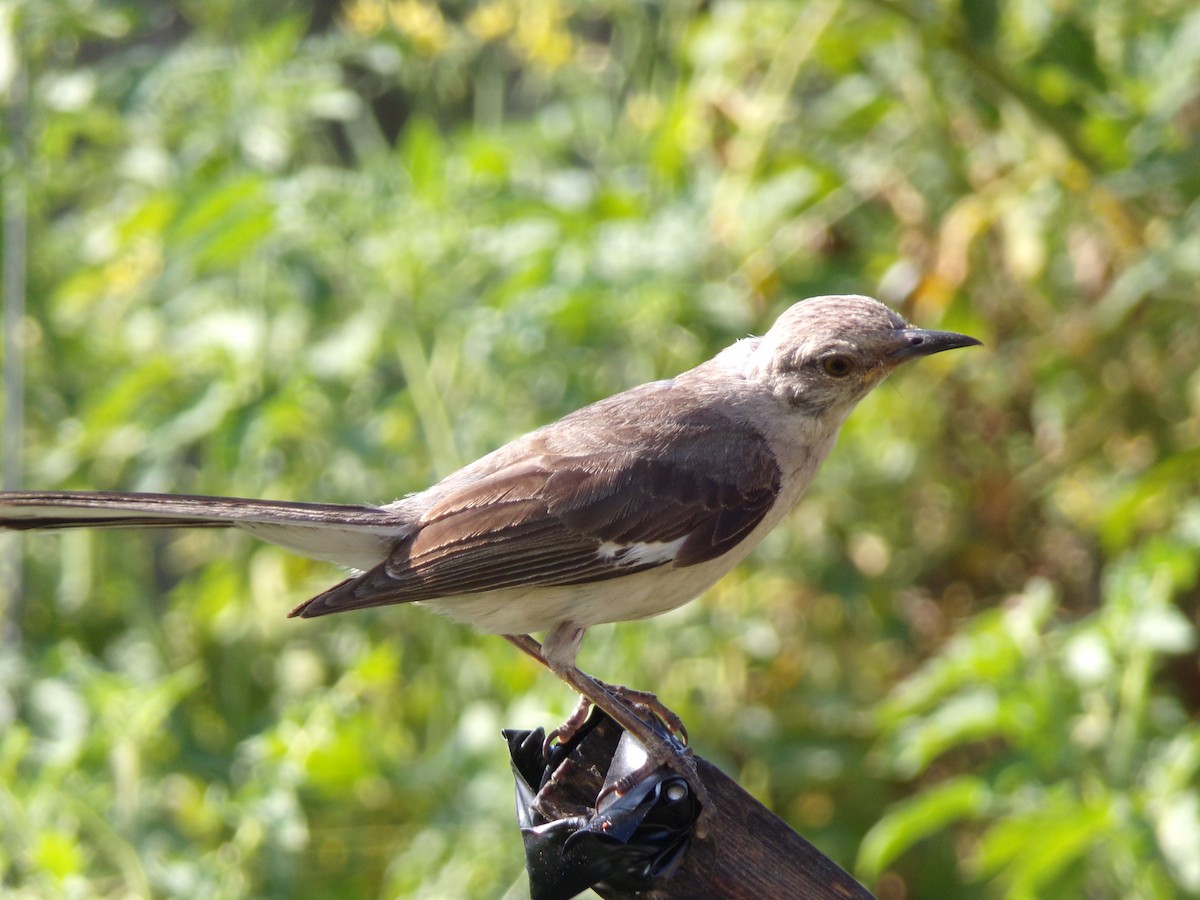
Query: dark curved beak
[915,342]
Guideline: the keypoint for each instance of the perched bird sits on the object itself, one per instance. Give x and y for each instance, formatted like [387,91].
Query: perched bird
[625,509]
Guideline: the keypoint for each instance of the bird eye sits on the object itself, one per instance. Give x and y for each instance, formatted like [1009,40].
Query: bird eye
[838,366]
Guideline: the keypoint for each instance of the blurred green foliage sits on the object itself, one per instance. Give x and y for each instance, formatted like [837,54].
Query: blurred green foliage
[330,251]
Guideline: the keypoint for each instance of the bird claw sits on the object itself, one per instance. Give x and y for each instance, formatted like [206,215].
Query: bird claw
[641,702]
[565,733]
[645,701]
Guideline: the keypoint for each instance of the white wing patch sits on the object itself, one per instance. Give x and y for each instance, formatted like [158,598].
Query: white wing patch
[640,553]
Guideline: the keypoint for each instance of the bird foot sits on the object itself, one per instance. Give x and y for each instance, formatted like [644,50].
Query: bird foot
[641,703]
[565,733]
[647,702]
[662,736]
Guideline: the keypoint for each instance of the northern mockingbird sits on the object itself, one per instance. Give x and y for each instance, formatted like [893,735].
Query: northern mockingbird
[625,509]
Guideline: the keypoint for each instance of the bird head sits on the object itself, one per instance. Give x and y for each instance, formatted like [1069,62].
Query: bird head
[823,355]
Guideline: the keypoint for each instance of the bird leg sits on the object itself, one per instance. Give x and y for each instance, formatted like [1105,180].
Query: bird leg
[620,703]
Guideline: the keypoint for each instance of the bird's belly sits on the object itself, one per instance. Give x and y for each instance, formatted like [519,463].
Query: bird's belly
[637,596]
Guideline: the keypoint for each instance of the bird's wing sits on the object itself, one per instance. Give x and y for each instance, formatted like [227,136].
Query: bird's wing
[592,497]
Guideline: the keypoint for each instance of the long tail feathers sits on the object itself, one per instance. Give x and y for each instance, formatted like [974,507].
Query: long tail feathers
[357,536]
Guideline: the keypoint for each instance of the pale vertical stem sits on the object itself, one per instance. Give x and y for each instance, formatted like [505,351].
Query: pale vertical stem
[12,288]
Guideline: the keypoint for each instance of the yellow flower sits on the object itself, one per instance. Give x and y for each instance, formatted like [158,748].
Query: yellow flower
[541,36]
[365,16]
[421,22]
[492,20]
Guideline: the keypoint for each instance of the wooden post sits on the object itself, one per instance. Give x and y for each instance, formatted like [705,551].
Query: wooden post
[746,852]
[749,853]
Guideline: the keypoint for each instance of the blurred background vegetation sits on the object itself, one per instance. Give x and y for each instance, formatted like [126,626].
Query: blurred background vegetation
[332,250]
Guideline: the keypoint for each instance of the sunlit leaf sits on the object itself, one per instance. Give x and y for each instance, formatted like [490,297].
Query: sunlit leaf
[962,798]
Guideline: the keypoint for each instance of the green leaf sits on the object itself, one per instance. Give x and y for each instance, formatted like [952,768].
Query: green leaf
[58,853]
[1163,630]
[1032,849]
[982,18]
[1177,828]
[423,154]
[902,826]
